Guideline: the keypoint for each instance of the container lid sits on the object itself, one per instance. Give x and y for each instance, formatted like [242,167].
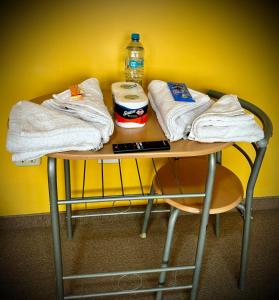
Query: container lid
[135,36]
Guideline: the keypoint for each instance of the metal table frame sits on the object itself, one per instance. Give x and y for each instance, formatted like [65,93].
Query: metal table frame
[180,150]
[55,202]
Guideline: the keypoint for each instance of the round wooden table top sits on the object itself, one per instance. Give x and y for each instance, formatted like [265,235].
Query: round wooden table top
[150,132]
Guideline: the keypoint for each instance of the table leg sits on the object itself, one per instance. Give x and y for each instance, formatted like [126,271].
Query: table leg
[166,254]
[147,213]
[52,185]
[68,197]
[203,226]
[247,216]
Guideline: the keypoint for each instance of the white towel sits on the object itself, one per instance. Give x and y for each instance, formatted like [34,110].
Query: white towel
[175,117]
[90,108]
[35,130]
[226,121]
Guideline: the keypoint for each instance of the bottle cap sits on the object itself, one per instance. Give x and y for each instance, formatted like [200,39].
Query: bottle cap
[135,36]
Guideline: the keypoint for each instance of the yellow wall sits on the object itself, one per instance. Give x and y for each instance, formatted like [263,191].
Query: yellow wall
[48,45]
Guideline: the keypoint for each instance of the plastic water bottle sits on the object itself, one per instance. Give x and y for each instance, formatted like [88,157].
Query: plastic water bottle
[134,62]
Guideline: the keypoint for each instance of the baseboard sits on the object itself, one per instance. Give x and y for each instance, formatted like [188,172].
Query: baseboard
[43,220]
[261,203]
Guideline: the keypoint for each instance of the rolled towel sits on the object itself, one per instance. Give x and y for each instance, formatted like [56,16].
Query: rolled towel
[226,121]
[90,107]
[35,130]
[175,117]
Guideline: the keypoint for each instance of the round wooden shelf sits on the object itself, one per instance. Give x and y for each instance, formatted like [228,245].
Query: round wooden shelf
[188,175]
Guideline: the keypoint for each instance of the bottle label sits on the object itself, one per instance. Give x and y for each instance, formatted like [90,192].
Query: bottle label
[133,64]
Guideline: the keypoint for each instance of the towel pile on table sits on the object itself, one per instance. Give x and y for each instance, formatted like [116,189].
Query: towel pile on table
[59,124]
[226,121]
[90,107]
[35,130]
[203,120]
[175,117]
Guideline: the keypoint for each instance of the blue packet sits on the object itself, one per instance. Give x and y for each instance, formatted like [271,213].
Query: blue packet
[180,92]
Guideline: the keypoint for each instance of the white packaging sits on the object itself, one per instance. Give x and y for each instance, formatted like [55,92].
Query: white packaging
[130,104]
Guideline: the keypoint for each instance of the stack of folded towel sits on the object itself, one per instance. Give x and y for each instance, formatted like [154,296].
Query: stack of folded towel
[35,130]
[175,117]
[226,121]
[90,107]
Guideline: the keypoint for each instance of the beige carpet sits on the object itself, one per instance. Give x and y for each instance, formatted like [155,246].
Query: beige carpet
[113,244]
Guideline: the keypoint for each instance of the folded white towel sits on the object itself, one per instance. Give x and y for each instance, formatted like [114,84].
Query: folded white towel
[35,130]
[90,108]
[175,117]
[226,121]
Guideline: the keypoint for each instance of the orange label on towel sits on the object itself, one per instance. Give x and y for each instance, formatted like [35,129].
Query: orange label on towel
[75,92]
